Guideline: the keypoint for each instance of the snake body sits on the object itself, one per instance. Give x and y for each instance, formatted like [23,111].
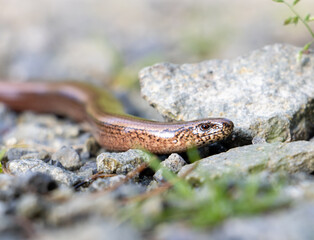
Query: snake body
[113,129]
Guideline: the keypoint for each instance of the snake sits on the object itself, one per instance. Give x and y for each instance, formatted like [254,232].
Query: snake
[112,128]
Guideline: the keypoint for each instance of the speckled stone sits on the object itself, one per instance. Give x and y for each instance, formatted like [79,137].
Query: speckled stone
[87,169]
[61,175]
[267,93]
[174,163]
[120,163]
[103,183]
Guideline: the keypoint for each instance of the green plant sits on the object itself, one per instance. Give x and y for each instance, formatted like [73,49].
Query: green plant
[295,19]
[210,203]
[206,204]
[2,153]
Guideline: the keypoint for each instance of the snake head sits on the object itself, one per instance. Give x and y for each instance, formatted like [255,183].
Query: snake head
[210,130]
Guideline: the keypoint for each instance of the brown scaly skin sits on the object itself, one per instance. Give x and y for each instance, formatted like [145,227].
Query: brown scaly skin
[113,129]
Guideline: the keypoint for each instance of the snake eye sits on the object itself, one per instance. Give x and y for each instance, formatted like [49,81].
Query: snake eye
[205,127]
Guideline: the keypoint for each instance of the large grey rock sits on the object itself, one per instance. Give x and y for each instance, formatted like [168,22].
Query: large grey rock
[290,157]
[268,94]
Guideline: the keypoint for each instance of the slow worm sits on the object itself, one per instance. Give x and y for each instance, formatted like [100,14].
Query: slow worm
[113,129]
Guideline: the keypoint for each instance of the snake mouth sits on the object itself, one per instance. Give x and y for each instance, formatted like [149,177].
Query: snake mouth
[227,126]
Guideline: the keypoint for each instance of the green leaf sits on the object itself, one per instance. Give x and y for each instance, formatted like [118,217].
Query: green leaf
[311,19]
[304,50]
[307,46]
[193,155]
[295,2]
[307,17]
[279,1]
[287,21]
[300,54]
[2,153]
[295,20]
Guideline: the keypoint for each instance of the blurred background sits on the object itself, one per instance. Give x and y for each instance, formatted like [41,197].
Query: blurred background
[110,41]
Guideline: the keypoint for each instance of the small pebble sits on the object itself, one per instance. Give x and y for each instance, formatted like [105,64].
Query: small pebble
[174,163]
[121,163]
[87,169]
[68,157]
[103,183]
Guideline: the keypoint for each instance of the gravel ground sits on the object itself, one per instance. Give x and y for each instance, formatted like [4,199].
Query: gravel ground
[58,183]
